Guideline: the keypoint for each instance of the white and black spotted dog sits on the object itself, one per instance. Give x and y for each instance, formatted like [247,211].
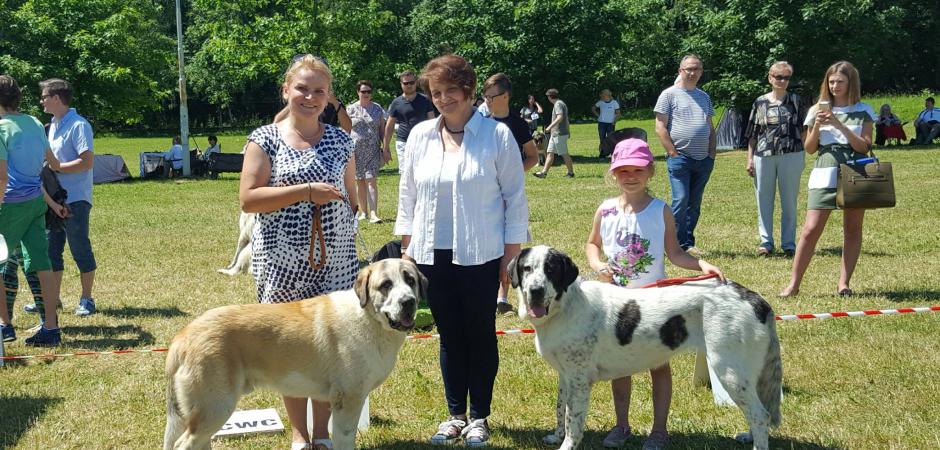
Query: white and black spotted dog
[591,331]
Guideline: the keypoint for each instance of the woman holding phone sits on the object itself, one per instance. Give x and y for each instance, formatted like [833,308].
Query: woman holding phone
[839,128]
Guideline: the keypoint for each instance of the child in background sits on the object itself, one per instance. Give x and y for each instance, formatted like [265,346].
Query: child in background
[630,236]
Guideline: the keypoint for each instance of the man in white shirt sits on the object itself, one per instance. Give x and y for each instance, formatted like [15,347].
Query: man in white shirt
[927,124]
[607,111]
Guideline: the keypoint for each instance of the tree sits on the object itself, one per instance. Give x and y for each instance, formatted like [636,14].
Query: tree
[111,51]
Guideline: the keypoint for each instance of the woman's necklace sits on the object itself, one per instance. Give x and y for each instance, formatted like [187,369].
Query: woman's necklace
[302,136]
[449,130]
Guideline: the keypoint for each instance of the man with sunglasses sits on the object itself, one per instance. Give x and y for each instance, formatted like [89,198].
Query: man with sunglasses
[407,110]
[70,137]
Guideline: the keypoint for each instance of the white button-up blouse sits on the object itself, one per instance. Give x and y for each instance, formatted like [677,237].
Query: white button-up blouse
[490,205]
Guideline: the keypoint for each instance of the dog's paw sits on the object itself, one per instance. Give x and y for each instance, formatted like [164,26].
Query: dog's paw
[744,438]
[552,439]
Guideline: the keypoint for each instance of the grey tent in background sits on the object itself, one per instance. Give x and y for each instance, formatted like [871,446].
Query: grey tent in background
[731,130]
[109,168]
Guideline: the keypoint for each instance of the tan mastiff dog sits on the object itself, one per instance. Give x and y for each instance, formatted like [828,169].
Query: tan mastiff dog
[336,347]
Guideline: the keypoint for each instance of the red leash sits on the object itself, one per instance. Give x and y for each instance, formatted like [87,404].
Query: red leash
[674,281]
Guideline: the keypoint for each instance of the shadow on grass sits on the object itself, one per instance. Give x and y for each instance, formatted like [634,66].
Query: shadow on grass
[128,312]
[19,413]
[837,251]
[532,438]
[908,294]
[110,338]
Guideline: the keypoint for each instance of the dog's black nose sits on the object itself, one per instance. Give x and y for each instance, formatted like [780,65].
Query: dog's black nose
[537,292]
[409,304]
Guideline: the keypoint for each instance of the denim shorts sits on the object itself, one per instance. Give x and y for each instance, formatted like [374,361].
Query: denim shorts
[76,234]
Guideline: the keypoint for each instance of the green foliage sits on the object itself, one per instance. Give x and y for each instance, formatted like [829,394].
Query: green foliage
[110,50]
[121,58]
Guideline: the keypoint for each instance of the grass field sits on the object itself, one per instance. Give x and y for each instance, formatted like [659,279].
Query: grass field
[852,383]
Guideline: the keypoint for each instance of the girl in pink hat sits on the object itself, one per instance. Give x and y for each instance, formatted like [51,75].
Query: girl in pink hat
[631,235]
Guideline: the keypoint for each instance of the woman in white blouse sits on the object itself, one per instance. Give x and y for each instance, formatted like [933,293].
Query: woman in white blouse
[462,216]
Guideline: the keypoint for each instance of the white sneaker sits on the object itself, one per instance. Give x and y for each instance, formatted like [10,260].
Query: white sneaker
[476,434]
[448,431]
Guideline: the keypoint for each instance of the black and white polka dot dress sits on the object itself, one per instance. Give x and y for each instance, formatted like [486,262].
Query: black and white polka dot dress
[281,243]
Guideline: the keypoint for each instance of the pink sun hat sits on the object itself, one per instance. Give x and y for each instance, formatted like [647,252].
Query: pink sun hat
[631,152]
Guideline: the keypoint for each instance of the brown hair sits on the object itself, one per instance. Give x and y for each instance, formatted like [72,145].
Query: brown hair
[854,87]
[451,69]
[552,93]
[10,93]
[499,80]
[59,87]
[362,83]
[407,73]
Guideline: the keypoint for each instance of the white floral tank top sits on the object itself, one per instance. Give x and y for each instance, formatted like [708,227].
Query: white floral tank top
[634,243]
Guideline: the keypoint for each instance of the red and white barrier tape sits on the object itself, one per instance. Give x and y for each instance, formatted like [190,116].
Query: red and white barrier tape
[832,315]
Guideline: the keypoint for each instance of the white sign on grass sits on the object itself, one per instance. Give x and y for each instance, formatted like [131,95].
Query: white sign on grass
[251,421]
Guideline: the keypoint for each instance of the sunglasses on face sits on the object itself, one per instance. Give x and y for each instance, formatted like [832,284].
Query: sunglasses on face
[782,77]
[408,83]
[365,91]
[491,97]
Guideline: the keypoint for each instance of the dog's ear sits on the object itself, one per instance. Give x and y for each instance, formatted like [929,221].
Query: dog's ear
[361,287]
[564,271]
[422,285]
[514,276]
[571,270]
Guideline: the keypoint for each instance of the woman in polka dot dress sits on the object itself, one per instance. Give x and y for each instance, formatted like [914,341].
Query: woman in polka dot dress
[291,168]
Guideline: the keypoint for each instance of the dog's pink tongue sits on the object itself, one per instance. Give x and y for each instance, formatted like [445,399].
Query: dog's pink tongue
[407,321]
[537,311]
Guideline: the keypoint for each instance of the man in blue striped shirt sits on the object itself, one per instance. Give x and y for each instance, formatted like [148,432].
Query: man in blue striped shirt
[927,124]
[684,126]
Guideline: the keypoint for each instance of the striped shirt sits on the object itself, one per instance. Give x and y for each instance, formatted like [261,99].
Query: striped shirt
[929,115]
[689,115]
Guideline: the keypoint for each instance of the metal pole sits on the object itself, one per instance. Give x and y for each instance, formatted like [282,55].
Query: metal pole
[184,110]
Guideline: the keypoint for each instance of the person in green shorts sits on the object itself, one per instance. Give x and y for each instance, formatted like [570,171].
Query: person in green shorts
[839,129]
[23,147]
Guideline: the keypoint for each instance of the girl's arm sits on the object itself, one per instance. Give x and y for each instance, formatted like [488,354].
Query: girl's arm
[593,248]
[811,137]
[680,257]
[256,196]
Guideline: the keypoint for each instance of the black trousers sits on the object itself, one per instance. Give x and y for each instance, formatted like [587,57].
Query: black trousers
[461,300]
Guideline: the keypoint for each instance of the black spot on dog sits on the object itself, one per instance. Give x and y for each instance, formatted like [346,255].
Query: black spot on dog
[515,268]
[673,332]
[627,320]
[761,308]
[561,270]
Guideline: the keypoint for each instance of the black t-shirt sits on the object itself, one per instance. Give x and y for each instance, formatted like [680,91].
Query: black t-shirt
[408,114]
[520,130]
[330,115]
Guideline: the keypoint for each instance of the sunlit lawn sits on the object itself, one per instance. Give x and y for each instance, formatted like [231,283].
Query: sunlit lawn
[850,383]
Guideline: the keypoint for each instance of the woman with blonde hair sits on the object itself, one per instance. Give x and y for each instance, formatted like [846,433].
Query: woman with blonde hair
[839,128]
[299,176]
[775,157]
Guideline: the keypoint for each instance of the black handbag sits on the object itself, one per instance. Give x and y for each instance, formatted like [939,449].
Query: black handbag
[866,186]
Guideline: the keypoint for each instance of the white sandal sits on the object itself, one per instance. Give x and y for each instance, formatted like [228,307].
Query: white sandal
[321,444]
[300,446]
